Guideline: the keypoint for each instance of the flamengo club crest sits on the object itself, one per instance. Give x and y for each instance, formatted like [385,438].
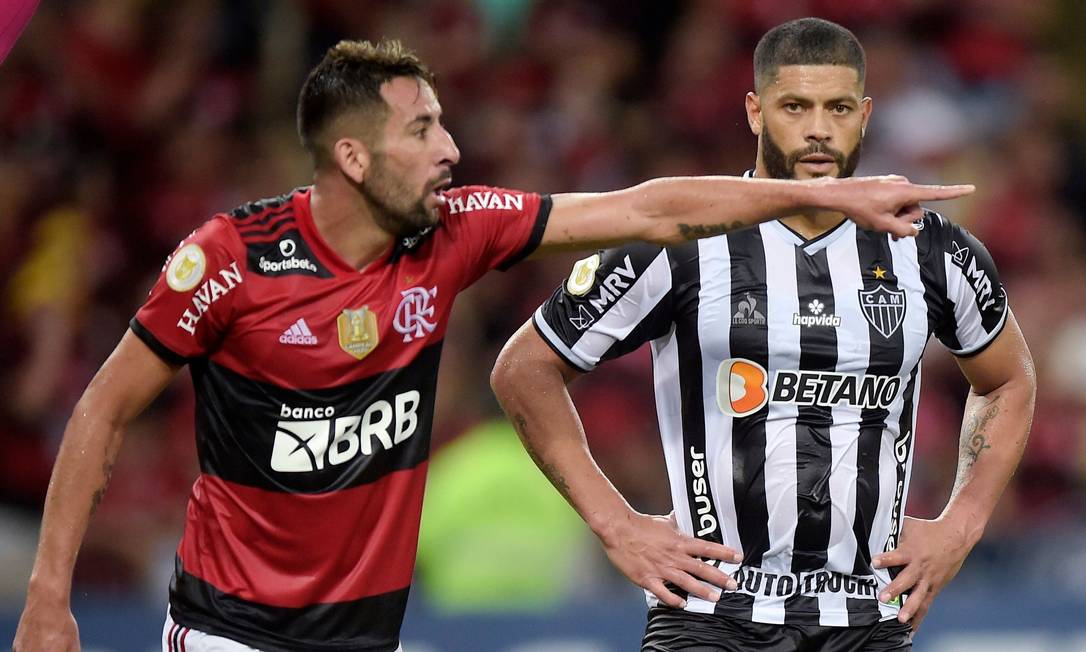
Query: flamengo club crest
[883,308]
[414,316]
[357,331]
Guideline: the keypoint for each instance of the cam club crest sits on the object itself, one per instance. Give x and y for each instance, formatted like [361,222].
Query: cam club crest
[358,331]
[883,308]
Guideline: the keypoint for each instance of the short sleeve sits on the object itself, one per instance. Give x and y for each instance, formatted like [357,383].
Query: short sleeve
[975,309]
[612,303]
[493,228]
[192,303]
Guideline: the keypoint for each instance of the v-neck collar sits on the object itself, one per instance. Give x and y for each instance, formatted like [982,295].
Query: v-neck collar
[817,243]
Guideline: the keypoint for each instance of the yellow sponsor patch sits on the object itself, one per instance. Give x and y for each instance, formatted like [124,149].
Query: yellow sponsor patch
[583,276]
[186,268]
[358,333]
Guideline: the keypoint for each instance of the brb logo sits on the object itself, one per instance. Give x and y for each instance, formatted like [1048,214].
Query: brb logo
[414,315]
[314,438]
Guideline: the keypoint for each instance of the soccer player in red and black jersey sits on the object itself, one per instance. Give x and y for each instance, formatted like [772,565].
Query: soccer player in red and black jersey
[313,325]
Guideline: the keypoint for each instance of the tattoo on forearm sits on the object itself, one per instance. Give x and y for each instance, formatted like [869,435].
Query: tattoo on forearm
[96,499]
[975,437]
[692,231]
[559,482]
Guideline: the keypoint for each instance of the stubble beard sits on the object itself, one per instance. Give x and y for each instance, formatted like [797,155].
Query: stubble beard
[392,203]
[779,165]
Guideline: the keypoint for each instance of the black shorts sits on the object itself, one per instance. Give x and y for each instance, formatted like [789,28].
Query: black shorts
[673,630]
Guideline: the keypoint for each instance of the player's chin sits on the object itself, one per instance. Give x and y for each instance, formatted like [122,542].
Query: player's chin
[805,170]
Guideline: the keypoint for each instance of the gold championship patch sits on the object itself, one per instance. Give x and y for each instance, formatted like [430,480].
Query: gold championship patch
[583,276]
[358,331]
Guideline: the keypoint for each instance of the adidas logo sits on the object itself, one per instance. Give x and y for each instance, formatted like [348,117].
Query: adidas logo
[298,333]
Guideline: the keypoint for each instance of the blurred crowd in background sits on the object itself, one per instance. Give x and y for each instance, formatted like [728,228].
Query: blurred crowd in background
[124,124]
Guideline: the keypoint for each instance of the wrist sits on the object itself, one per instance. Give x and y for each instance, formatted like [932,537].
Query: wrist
[610,526]
[812,194]
[49,590]
[970,524]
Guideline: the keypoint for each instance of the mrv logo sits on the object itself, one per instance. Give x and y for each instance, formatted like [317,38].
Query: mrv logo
[315,438]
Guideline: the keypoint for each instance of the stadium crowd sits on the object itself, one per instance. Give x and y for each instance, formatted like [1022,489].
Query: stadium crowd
[124,124]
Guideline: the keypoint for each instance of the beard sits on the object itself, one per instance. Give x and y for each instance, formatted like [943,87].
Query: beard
[783,166]
[397,209]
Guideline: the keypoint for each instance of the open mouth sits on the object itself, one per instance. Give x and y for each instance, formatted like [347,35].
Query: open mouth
[438,191]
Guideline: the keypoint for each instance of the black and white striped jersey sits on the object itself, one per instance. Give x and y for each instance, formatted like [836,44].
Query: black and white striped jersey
[787,374]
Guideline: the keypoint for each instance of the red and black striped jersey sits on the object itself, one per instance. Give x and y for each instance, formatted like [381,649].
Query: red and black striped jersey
[315,389]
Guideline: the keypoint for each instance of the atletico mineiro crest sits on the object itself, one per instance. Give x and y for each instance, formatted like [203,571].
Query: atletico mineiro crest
[358,331]
[883,308]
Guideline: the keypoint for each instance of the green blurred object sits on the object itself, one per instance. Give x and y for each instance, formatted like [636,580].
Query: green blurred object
[496,536]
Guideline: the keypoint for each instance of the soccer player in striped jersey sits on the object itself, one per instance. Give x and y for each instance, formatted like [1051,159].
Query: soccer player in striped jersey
[786,360]
[313,324]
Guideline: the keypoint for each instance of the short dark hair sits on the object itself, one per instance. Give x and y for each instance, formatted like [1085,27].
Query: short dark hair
[806,42]
[349,78]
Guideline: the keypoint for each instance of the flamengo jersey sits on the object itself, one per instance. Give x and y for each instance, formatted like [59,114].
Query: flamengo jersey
[314,401]
[787,374]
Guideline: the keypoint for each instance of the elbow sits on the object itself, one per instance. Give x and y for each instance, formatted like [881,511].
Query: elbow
[504,377]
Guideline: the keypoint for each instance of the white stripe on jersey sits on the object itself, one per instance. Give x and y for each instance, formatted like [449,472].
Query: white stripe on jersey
[915,328]
[780,427]
[852,352]
[714,330]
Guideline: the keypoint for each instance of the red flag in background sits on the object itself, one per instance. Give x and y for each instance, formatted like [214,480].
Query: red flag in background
[14,15]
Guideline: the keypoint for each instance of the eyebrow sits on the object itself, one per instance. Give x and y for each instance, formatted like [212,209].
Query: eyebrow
[802,99]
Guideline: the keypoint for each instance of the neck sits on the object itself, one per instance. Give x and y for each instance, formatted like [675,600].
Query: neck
[345,222]
[810,224]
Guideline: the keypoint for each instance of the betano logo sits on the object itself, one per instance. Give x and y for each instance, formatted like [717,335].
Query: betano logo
[743,388]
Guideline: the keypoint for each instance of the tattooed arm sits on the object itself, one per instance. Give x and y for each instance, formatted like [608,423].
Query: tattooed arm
[131,377]
[998,414]
[674,209]
[530,382]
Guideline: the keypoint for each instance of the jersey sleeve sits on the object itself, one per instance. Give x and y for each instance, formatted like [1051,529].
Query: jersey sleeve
[493,228]
[975,305]
[192,303]
[612,303]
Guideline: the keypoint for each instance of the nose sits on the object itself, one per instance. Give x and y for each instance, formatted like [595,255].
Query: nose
[448,152]
[818,127]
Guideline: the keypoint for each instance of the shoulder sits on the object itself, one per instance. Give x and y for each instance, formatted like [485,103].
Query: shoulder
[467,201]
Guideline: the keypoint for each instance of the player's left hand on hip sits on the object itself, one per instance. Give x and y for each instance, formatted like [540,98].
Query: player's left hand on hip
[929,554]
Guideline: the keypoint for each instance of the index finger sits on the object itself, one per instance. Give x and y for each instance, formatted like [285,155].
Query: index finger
[939,193]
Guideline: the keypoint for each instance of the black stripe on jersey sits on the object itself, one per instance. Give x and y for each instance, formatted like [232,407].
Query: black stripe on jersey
[535,237]
[161,350]
[281,439]
[267,229]
[903,448]
[289,254]
[929,253]
[255,210]
[696,466]
[750,341]
[814,450]
[260,219]
[885,359]
[371,624]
